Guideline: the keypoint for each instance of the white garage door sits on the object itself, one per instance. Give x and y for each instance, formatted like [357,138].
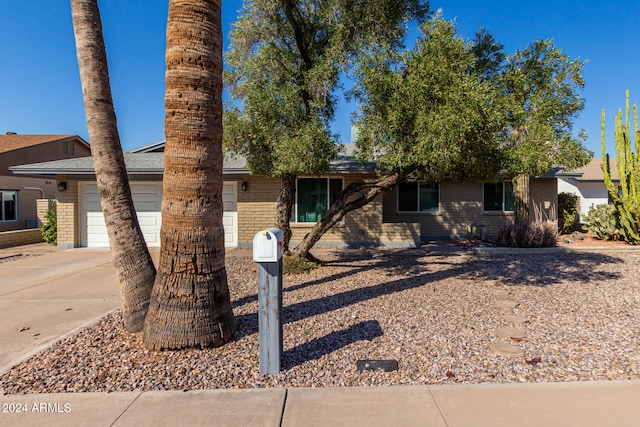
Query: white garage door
[230,215]
[147,199]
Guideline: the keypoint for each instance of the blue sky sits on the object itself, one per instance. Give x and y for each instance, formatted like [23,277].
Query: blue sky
[40,89]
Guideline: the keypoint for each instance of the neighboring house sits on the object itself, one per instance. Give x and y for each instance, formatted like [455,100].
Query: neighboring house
[18,194]
[587,183]
[404,216]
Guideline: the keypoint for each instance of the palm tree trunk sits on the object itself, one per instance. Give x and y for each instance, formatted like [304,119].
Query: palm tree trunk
[131,257]
[190,304]
[284,207]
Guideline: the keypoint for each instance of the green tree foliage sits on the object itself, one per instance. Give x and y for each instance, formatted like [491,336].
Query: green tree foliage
[429,113]
[425,114]
[283,72]
[50,227]
[540,87]
[540,84]
[626,196]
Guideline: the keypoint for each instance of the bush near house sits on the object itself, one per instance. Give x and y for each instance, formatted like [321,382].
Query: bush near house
[50,227]
[567,211]
[533,234]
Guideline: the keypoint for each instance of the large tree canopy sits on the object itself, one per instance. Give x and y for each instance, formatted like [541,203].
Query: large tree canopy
[428,113]
[540,85]
[462,110]
[284,65]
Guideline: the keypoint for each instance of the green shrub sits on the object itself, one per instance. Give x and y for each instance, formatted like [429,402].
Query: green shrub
[567,211]
[601,221]
[568,221]
[50,227]
[534,234]
[293,264]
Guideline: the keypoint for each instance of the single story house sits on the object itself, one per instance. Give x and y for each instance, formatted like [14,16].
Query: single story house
[18,194]
[587,183]
[404,216]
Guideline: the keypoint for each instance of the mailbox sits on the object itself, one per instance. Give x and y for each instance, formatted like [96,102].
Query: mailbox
[268,245]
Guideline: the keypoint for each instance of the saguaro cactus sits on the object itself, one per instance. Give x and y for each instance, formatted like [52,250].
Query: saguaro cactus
[626,196]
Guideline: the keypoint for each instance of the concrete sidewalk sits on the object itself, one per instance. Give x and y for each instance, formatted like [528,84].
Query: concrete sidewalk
[48,297]
[612,403]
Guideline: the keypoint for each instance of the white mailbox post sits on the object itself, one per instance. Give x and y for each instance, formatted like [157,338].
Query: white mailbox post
[267,252]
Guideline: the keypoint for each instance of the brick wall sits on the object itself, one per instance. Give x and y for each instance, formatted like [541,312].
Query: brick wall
[461,206]
[67,205]
[9,239]
[256,211]
[543,192]
[42,207]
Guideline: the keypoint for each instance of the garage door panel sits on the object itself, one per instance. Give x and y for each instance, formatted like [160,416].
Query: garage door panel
[149,221]
[95,220]
[152,239]
[147,199]
[229,197]
[146,206]
[142,189]
[93,206]
[228,221]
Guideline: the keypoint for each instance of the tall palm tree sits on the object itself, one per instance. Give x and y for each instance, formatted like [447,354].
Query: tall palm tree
[131,257]
[190,304]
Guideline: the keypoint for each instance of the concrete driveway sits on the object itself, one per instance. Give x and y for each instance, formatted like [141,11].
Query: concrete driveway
[47,297]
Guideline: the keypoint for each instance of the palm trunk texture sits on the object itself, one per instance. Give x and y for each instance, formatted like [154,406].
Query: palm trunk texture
[190,304]
[131,257]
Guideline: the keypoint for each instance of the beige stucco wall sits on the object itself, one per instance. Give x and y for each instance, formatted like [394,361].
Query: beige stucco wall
[27,206]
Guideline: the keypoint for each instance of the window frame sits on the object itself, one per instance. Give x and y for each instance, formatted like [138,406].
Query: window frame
[504,198]
[328,188]
[2,210]
[418,193]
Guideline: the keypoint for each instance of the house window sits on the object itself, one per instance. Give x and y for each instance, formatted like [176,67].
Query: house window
[314,196]
[9,208]
[498,197]
[419,197]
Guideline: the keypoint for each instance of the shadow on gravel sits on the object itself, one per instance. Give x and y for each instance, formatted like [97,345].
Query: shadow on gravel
[511,270]
[547,269]
[316,348]
[399,261]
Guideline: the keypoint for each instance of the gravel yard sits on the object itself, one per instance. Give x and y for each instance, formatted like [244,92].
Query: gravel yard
[440,312]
